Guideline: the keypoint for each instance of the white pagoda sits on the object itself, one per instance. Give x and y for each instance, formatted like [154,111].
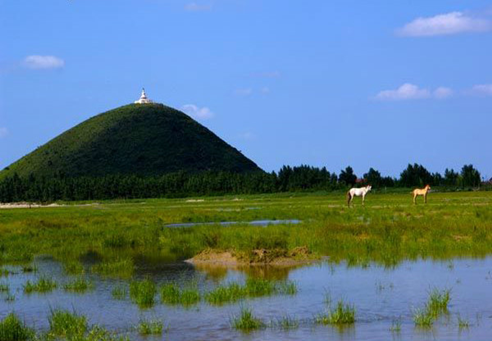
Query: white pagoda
[143,98]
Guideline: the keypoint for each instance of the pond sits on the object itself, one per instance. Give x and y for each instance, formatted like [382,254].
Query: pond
[382,297]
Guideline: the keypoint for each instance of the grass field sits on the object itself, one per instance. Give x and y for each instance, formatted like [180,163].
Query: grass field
[388,229]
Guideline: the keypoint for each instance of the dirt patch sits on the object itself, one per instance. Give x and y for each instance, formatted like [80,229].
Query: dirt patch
[278,257]
[26,205]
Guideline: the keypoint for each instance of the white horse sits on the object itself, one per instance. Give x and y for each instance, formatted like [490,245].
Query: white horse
[357,192]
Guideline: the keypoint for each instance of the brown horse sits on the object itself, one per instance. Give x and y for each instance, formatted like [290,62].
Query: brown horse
[416,192]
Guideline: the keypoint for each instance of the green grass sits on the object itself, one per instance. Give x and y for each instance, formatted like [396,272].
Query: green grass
[395,326]
[463,323]
[150,327]
[119,268]
[64,323]
[13,329]
[43,285]
[172,294]
[79,285]
[437,304]
[143,293]
[254,287]
[73,268]
[4,287]
[341,314]
[438,301]
[423,318]
[285,323]
[246,321]
[119,292]
[387,230]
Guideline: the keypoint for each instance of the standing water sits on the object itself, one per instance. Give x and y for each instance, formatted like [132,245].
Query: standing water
[385,301]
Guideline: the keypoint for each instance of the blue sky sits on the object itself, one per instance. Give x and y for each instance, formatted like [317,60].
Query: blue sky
[326,83]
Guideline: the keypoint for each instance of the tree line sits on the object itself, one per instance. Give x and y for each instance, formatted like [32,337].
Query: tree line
[181,184]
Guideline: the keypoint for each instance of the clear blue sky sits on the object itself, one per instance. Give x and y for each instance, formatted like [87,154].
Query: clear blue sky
[325,83]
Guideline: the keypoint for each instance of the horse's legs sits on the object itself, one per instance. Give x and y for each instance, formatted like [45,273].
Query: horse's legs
[414,197]
[363,198]
[425,198]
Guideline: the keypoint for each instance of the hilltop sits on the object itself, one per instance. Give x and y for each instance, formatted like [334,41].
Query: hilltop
[144,140]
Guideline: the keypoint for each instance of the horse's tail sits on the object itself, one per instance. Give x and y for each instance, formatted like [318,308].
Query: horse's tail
[348,198]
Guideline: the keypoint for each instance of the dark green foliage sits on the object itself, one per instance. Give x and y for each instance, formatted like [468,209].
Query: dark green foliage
[13,329]
[347,176]
[144,140]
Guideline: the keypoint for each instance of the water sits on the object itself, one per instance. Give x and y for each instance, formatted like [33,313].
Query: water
[380,296]
[229,223]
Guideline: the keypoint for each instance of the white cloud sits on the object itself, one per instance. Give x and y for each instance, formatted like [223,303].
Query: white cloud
[43,62]
[405,91]
[243,92]
[444,24]
[203,113]
[442,92]
[194,7]
[409,91]
[265,90]
[3,132]
[483,89]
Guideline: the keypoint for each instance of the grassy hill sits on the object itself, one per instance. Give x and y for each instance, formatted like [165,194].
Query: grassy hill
[149,139]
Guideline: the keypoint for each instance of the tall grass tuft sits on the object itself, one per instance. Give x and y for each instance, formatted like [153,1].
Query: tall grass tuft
[4,287]
[119,292]
[150,327]
[13,329]
[285,322]
[342,314]
[43,285]
[246,321]
[438,301]
[64,323]
[73,268]
[234,292]
[120,268]
[143,293]
[423,318]
[172,294]
[79,285]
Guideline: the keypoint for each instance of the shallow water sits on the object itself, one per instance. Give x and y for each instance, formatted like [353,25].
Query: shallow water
[380,296]
[229,223]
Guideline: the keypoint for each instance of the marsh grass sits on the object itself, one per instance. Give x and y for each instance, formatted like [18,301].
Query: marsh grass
[285,323]
[79,285]
[253,287]
[13,329]
[119,268]
[119,292]
[29,268]
[4,287]
[73,268]
[423,318]
[143,293]
[436,305]
[388,230]
[463,323]
[395,326]
[4,272]
[172,294]
[64,323]
[438,301]
[150,327]
[341,314]
[43,285]
[246,321]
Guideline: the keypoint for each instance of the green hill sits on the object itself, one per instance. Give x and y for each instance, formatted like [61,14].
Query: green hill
[147,140]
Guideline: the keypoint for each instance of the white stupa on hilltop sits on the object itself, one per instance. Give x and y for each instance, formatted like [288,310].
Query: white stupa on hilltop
[143,98]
